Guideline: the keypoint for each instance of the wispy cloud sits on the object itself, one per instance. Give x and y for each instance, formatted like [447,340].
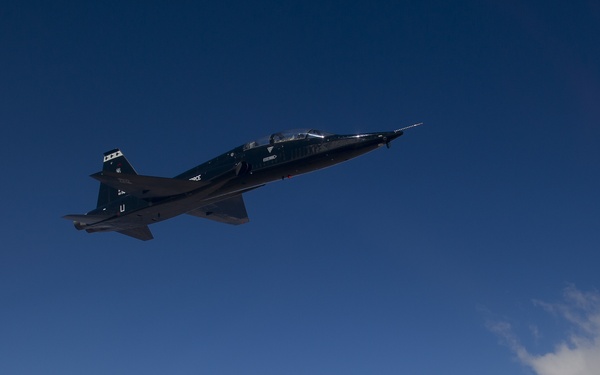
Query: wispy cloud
[579,353]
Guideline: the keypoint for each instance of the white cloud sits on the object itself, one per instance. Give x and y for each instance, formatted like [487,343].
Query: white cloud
[580,353]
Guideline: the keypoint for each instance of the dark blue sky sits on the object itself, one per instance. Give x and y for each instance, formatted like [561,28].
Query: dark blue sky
[421,259]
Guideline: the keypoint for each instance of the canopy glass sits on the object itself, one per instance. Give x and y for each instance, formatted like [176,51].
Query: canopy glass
[286,136]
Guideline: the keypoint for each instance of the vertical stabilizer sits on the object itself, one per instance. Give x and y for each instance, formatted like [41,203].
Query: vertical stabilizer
[114,161]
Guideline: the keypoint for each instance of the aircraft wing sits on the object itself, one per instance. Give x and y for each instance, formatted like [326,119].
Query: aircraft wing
[147,186]
[229,211]
[141,233]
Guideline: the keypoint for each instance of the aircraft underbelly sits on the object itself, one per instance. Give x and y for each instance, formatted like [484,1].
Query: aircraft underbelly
[166,210]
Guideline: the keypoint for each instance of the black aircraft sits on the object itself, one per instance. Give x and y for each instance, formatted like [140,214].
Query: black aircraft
[128,202]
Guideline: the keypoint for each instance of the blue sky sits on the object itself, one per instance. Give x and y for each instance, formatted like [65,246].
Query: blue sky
[470,247]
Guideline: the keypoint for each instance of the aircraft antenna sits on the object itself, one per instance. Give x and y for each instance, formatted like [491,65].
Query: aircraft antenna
[408,127]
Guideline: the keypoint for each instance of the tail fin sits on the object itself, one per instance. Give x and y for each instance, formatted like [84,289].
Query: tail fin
[114,161]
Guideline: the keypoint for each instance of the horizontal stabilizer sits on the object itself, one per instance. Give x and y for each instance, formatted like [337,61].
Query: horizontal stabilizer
[229,211]
[140,233]
[147,186]
[86,219]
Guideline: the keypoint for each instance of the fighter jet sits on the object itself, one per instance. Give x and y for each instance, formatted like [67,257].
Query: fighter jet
[129,202]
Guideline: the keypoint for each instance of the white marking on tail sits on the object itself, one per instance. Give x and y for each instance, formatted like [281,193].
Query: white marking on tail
[112,156]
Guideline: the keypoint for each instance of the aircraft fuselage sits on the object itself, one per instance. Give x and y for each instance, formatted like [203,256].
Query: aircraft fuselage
[138,201]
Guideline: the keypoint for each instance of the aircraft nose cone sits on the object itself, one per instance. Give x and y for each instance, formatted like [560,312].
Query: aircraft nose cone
[390,136]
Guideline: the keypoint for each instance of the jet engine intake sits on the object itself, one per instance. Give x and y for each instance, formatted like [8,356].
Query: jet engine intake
[242,168]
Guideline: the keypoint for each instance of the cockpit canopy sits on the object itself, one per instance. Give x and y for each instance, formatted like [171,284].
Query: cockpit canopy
[286,136]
